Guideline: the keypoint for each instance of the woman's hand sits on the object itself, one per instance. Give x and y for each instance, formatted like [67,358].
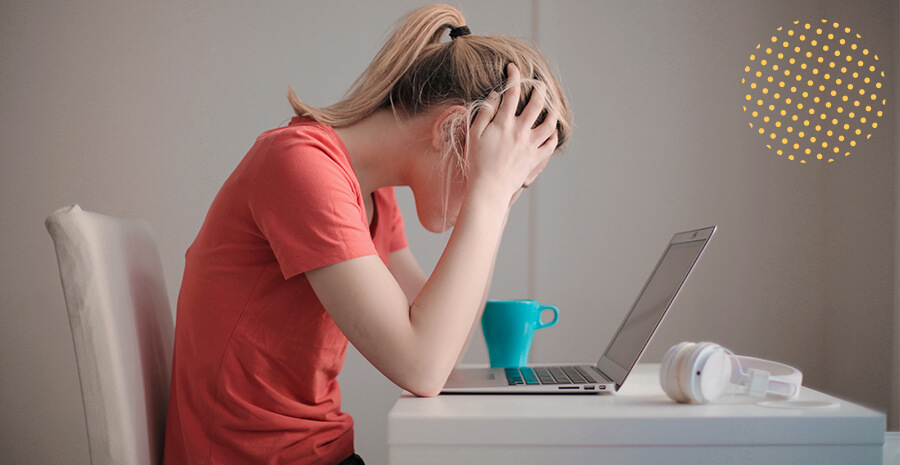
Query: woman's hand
[505,152]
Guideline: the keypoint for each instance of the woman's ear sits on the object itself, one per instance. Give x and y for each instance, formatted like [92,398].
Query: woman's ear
[449,127]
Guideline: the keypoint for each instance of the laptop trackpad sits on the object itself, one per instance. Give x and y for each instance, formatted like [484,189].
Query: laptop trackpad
[465,377]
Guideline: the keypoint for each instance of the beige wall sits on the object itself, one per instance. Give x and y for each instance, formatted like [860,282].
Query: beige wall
[141,109]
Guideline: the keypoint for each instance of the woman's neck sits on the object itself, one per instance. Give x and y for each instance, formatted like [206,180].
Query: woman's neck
[381,147]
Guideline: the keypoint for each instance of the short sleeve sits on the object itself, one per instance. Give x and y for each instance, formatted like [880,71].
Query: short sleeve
[306,203]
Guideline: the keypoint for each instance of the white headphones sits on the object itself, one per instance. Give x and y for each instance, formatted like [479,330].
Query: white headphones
[702,372]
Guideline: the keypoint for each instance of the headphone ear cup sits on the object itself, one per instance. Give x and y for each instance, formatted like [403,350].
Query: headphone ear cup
[710,373]
[671,370]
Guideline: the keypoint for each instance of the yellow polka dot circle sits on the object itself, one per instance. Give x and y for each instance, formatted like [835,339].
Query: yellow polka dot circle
[812,91]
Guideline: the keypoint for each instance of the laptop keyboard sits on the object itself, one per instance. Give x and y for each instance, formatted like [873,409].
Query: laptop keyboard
[548,375]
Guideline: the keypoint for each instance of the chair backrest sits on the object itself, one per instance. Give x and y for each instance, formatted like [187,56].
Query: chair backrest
[122,329]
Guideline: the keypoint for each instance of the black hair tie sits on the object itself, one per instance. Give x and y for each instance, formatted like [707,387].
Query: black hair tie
[459,31]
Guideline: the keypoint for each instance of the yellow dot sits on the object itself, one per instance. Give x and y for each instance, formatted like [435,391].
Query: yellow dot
[787,72]
[840,109]
[755,114]
[808,151]
[830,36]
[824,145]
[830,133]
[758,73]
[852,143]
[859,63]
[807,26]
[850,87]
[790,129]
[841,138]
[878,85]
[853,46]
[759,102]
[762,131]
[766,119]
[874,125]
[780,152]
[796,50]
[799,106]
[783,112]
[769,51]
[837,53]
[749,97]
[879,113]
[794,117]
[790,32]
[851,114]
[794,89]
[812,139]
[818,31]
[796,146]
[763,62]
[847,30]
[824,48]
[784,141]
[836,150]
[801,134]
[765,90]
[790,157]
[872,68]
[819,156]
[858,132]
[865,51]
[774,39]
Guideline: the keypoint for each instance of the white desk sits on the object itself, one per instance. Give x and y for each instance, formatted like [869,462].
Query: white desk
[639,424]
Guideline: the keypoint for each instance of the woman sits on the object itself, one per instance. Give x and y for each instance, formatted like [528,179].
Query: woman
[303,247]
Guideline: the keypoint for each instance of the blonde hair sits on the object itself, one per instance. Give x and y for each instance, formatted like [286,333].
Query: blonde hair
[415,71]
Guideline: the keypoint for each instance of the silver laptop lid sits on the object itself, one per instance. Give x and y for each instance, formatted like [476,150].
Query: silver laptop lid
[651,305]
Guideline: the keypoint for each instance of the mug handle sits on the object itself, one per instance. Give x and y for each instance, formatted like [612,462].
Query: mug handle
[541,324]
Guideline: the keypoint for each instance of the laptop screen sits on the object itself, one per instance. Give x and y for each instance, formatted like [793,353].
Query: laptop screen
[658,294]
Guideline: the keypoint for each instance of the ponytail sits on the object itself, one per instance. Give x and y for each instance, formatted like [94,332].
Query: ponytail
[415,71]
[371,90]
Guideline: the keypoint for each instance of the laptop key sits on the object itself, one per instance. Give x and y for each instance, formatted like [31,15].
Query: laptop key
[585,374]
[530,377]
[559,375]
[544,376]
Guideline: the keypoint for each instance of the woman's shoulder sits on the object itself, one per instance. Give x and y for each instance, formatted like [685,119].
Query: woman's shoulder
[303,138]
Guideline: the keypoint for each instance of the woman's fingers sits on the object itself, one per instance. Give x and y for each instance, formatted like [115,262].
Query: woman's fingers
[485,114]
[535,106]
[547,128]
[511,96]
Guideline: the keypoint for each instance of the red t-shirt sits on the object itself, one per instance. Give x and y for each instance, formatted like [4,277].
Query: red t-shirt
[254,376]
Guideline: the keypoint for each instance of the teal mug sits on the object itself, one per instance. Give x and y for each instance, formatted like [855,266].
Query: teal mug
[509,327]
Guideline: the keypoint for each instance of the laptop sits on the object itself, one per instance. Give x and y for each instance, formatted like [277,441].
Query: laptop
[623,351]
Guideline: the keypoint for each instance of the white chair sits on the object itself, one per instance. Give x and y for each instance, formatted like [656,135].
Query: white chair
[122,329]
